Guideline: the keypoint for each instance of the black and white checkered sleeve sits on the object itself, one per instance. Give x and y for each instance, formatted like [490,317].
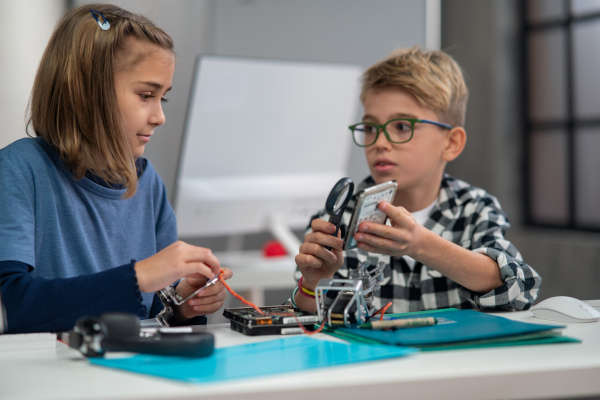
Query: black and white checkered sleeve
[521,283]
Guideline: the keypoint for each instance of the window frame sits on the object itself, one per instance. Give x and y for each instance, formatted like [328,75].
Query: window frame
[569,125]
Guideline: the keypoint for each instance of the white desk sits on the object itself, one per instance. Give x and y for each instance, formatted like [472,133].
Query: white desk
[520,372]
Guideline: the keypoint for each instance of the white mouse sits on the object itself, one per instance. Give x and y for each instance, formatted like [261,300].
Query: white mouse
[565,309]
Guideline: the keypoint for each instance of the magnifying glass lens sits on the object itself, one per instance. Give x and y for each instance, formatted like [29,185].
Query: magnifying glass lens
[341,200]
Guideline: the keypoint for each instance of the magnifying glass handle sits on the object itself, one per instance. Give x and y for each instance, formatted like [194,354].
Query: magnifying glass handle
[337,201]
[335,219]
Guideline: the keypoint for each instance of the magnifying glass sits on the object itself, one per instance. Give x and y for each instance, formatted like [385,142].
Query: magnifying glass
[337,201]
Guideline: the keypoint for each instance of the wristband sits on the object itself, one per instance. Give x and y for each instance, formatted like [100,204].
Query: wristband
[304,291]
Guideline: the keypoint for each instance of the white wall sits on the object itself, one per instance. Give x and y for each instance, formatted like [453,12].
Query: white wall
[352,31]
[25,29]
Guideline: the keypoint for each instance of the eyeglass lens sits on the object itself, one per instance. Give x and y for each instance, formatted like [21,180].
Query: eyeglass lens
[399,131]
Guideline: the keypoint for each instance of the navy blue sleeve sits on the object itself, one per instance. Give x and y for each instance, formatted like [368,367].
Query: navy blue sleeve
[43,305]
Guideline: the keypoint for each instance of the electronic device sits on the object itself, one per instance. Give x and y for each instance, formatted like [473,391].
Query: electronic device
[366,208]
[565,309]
[278,320]
[95,336]
[263,143]
[349,302]
[170,298]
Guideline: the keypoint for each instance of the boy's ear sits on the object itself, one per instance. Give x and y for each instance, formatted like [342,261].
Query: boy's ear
[456,140]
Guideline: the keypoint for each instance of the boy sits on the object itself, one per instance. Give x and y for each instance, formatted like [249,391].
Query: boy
[444,240]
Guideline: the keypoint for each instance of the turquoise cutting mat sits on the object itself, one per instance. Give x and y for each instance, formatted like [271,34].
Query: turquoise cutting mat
[255,359]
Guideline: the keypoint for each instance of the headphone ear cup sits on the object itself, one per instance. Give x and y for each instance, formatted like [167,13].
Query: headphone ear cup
[121,325]
[87,335]
[91,326]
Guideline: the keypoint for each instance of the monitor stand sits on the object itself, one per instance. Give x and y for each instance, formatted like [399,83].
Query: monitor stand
[282,232]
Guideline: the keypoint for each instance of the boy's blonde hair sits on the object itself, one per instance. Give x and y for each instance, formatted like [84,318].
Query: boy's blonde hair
[73,103]
[432,77]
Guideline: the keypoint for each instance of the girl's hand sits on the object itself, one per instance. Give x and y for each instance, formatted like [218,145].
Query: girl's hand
[207,301]
[174,262]
[314,260]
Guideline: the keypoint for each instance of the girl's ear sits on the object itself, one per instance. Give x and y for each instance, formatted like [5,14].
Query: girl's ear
[456,140]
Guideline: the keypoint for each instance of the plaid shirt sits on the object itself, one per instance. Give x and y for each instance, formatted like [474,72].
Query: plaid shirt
[469,217]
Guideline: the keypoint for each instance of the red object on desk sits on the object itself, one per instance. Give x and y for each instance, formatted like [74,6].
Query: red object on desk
[273,249]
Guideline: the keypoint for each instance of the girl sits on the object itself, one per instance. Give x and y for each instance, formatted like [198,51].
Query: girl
[85,225]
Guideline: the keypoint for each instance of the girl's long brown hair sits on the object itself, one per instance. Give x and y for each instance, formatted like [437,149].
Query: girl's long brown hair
[73,103]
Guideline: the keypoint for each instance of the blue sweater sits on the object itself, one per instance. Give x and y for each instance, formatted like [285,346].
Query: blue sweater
[67,247]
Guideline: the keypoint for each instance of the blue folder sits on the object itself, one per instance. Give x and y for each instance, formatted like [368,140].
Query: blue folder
[255,359]
[460,329]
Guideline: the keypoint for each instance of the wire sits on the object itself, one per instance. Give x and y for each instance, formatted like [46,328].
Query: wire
[237,296]
[382,311]
[249,303]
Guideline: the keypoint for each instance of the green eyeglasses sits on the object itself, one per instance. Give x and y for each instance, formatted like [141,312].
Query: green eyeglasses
[396,130]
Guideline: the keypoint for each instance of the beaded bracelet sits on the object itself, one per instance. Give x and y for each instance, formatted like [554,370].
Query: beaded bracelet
[304,291]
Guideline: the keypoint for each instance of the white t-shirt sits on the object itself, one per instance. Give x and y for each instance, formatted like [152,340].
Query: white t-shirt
[422,215]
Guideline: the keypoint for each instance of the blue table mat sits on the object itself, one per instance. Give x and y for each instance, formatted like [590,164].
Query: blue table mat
[255,359]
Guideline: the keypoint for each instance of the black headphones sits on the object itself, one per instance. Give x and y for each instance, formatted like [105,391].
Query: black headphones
[115,331]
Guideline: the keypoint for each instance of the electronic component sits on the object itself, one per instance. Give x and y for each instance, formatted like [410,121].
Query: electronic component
[340,302]
[366,208]
[278,320]
[348,302]
[170,298]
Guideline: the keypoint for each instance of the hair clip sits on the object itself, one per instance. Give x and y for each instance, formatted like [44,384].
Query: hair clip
[104,25]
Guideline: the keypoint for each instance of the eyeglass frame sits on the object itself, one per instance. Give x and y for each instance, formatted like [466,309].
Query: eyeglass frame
[382,127]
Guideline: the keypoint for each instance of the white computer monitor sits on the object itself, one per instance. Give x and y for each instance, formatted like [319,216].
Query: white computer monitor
[265,141]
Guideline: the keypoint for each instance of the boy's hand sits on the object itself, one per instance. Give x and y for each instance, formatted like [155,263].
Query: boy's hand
[314,260]
[207,301]
[400,239]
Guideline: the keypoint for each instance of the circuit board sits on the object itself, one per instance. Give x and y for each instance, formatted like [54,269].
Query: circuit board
[278,320]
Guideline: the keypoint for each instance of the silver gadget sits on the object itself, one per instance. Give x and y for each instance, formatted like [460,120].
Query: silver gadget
[349,302]
[366,208]
[170,298]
